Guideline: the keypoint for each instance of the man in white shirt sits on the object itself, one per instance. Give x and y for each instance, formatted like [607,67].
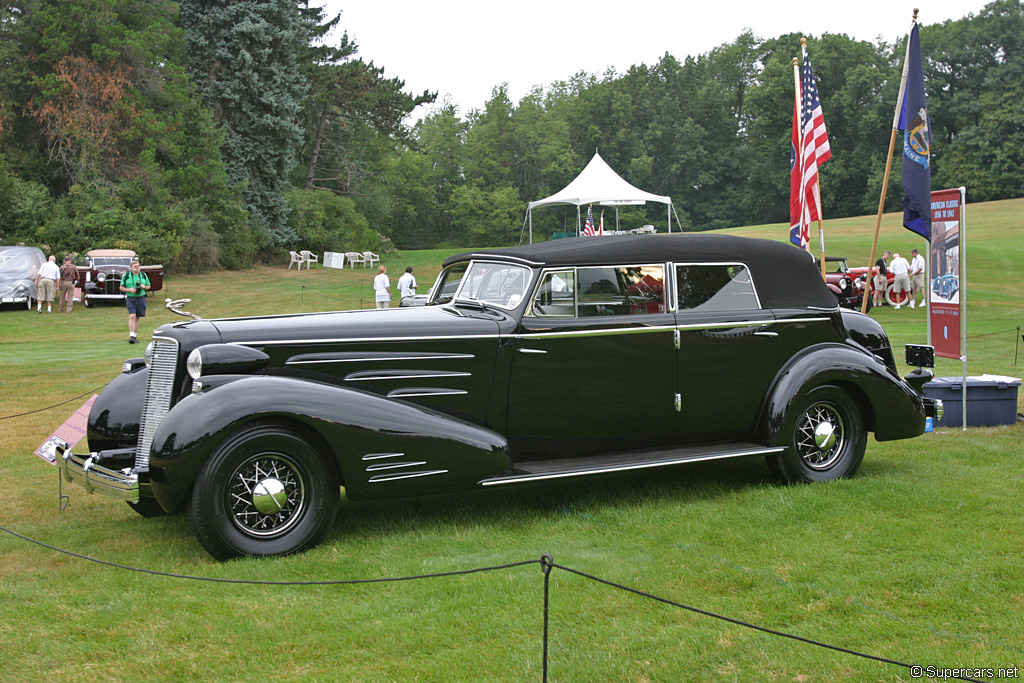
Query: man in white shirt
[917,279]
[901,276]
[382,288]
[407,283]
[46,284]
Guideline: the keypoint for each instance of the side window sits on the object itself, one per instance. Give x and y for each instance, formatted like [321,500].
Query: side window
[725,287]
[621,290]
[556,294]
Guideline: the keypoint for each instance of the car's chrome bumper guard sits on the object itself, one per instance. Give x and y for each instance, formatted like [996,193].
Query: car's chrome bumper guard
[104,296]
[86,471]
[933,408]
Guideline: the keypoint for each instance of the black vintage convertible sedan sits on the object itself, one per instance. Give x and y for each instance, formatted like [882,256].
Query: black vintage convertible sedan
[562,359]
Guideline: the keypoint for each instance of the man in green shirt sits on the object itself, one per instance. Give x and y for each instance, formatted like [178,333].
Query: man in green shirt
[135,284]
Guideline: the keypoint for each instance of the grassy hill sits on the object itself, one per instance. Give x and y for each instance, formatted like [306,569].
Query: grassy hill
[917,559]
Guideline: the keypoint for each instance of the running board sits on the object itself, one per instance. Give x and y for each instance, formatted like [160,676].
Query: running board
[620,462]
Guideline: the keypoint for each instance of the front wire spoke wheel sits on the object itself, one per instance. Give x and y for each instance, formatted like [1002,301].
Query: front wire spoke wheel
[267,495]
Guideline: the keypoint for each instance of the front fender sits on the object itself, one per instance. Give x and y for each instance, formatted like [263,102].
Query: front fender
[890,407]
[382,447]
[117,412]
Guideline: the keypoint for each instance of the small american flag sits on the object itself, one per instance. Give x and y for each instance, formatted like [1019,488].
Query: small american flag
[816,150]
[588,227]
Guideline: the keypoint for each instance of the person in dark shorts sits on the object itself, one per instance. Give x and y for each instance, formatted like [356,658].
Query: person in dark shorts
[135,284]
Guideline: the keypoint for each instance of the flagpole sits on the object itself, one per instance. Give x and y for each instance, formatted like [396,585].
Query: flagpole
[888,169]
[799,148]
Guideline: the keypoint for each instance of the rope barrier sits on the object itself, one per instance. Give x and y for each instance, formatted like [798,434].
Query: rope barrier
[55,405]
[546,562]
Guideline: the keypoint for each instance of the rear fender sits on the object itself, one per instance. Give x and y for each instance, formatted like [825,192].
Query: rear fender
[890,407]
[381,447]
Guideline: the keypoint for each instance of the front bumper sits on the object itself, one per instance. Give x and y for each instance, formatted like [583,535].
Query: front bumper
[933,408]
[87,471]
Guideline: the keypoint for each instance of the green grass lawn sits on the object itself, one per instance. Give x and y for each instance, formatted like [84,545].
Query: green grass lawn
[919,559]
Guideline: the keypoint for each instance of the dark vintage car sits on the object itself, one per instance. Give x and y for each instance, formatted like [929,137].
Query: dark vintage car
[946,286]
[100,278]
[562,359]
[18,268]
[847,285]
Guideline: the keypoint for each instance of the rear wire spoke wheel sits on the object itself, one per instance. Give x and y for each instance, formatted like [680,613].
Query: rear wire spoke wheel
[826,439]
[265,491]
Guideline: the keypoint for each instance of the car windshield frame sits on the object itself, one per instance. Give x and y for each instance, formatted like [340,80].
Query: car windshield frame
[484,269]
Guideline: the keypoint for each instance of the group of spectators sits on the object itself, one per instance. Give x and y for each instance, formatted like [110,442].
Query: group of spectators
[52,281]
[908,276]
[382,286]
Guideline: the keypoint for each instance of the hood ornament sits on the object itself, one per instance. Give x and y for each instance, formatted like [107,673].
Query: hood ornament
[174,306]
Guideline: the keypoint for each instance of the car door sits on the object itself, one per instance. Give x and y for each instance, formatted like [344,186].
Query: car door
[727,351]
[594,367]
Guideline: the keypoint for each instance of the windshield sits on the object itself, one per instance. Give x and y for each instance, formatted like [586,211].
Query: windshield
[499,284]
[111,261]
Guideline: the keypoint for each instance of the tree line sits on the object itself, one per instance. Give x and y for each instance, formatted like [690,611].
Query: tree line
[219,133]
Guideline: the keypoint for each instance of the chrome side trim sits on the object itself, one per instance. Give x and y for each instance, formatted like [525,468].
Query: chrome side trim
[531,351]
[308,358]
[383,376]
[379,478]
[766,334]
[518,479]
[424,391]
[378,456]
[393,465]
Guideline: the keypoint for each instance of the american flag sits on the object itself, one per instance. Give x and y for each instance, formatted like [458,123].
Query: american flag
[799,234]
[588,227]
[816,150]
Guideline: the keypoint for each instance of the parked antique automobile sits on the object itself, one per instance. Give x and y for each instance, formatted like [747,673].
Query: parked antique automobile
[18,268]
[100,278]
[563,359]
[847,286]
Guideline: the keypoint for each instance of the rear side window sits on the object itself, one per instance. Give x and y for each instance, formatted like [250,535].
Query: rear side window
[715,287]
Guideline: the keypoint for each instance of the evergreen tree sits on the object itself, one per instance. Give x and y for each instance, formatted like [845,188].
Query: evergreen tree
[244,56]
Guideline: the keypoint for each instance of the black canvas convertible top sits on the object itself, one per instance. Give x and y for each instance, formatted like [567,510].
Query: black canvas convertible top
[784,275]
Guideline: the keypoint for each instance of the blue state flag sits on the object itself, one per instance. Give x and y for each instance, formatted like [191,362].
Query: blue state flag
[917,140]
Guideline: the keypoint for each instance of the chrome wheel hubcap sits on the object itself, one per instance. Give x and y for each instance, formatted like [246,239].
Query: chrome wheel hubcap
[820,436]
[266,495]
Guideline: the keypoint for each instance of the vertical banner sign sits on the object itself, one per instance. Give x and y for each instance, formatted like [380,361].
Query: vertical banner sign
[944,310]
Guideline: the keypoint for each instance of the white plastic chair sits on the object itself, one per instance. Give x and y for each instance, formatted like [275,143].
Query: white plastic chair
[370,258]
[354,257]
[310,258]
[296,258]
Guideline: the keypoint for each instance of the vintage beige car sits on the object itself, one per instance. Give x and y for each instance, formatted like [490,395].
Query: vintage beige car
[100,278]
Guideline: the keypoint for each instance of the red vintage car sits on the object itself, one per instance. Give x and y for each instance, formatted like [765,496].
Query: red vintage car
[100,278]
[848,284]
[890,296]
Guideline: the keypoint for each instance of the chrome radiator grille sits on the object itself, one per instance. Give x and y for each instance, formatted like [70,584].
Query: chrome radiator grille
[159,394]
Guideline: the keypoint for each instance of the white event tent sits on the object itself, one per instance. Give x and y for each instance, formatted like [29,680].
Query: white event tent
[599,184]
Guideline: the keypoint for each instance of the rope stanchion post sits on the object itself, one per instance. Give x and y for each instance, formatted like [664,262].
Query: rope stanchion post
[546,563]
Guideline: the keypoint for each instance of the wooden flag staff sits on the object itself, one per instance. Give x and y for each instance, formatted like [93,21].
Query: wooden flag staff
[885,180]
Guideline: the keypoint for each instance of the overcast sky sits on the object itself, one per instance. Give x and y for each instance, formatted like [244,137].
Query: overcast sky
[464,48]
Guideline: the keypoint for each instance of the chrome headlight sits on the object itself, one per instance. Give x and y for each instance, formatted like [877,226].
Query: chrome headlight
[148,355]
[843,282]
[194,364]
[101,277]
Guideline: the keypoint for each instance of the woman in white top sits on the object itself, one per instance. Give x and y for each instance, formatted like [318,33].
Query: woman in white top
[382,288]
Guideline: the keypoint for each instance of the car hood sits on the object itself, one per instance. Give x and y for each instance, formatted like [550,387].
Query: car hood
[397,324]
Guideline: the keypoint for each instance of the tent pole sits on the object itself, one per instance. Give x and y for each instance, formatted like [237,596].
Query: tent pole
[530,212]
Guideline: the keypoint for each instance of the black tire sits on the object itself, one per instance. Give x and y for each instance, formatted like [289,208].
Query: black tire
[826,439]
[147,507]
[298,495]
